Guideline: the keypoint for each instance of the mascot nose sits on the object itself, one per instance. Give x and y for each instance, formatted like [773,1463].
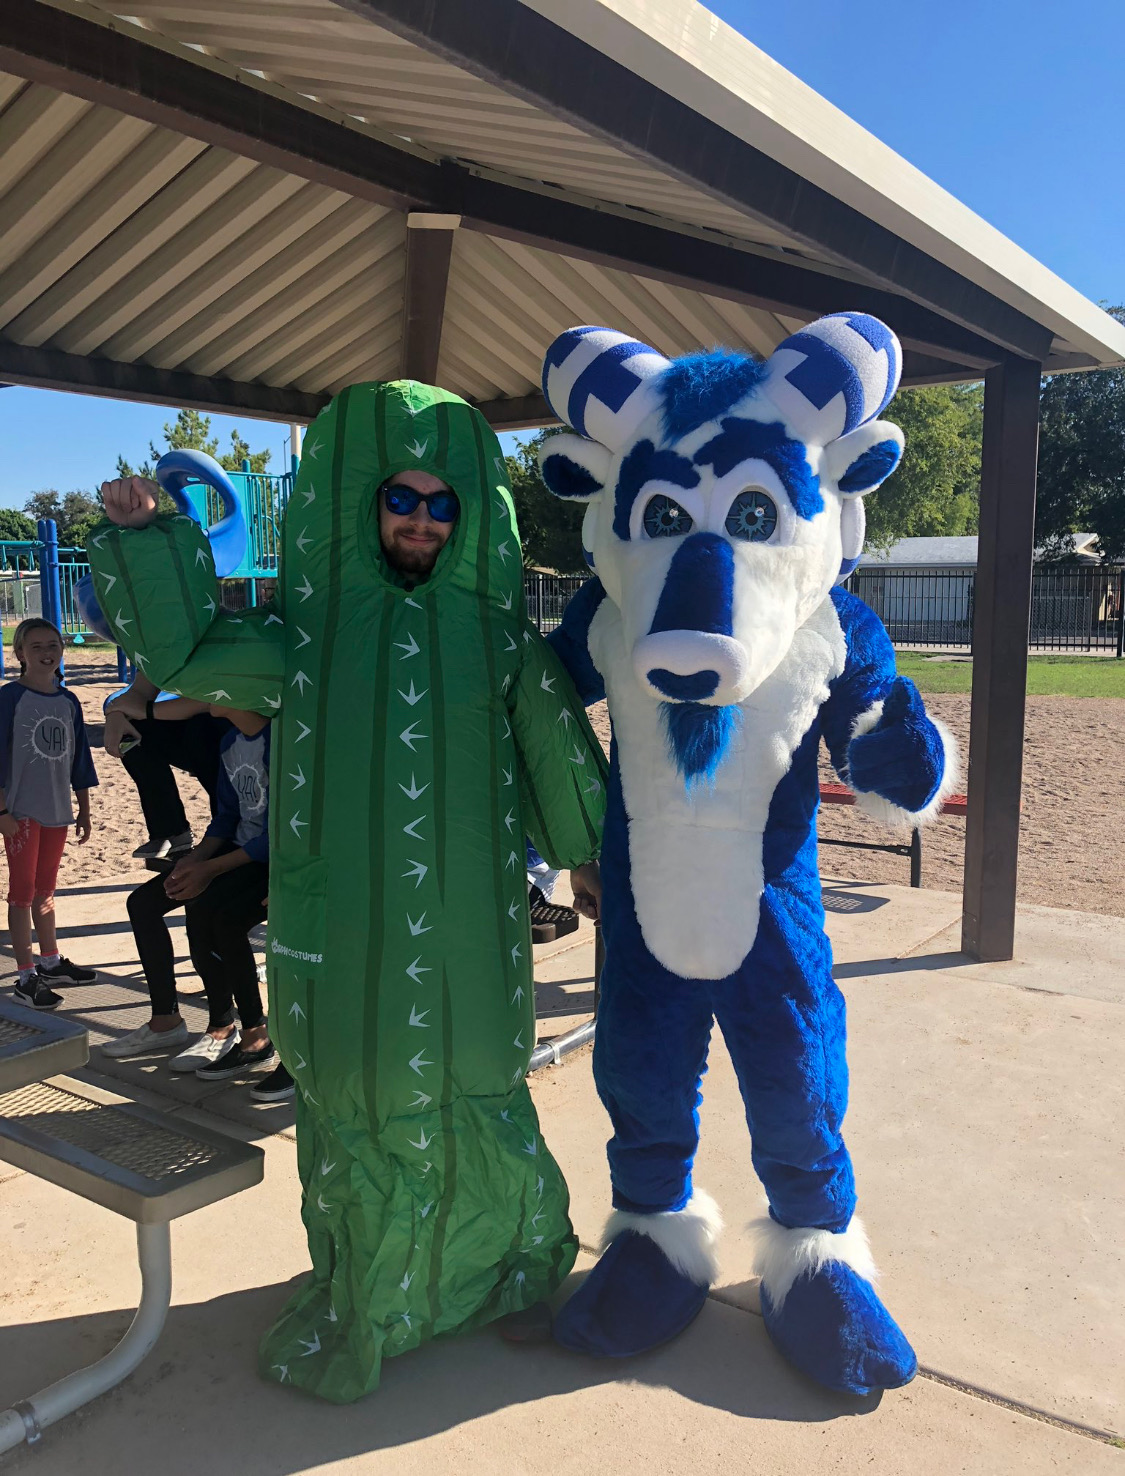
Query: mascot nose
[689,654]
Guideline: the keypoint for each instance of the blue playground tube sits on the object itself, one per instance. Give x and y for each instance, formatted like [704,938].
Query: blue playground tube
[228,538]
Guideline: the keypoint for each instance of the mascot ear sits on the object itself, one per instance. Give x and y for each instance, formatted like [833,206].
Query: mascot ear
[859,461]
[574,468]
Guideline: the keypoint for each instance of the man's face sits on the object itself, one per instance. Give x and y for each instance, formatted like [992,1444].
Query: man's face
[412,541]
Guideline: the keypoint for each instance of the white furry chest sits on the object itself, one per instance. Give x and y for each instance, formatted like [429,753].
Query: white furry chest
[696,856]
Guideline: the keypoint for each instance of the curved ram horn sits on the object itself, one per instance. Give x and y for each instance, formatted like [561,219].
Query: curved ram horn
[836,374]
[599,383]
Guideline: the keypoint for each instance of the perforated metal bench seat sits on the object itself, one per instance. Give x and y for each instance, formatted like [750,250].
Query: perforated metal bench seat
[34,1045]
[138,1163]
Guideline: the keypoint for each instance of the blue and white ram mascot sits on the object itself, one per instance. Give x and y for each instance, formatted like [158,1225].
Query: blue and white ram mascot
[724,506]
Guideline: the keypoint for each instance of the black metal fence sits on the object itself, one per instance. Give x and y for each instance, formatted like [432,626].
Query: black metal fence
[1074,607]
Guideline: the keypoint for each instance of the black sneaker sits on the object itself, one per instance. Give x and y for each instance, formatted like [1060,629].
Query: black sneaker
[35,995]
[277,1087]
[236,1062]
[65,972]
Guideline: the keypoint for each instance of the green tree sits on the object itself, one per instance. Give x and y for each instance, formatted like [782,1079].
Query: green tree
[1082,460]
[935,490]
[75,514]
[550,529]
[15,525]
[191,431]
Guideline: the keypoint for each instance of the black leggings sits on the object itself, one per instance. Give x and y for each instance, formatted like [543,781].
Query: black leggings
[218,921]
[192,745]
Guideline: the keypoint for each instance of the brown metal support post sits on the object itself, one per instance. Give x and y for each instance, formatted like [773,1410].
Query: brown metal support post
[1001,621]
[429,251]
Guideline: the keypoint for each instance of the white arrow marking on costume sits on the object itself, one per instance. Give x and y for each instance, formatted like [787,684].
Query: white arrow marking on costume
[274,702]
[546,684]
[304,539]
[274,620]
[426,1210]
[579,756]
[99,540]
[200,555]
[418,449]
[423,1142]
[296,1011]
[506,602]
[536,1217]
[321,1206]
[326,1167]
[504,1116]
[299,780]
[418,1019]
[404,1284]
[507,773]
[594,787]
[311,1100]
[301,680]
[408,647]
[415,791]
[565,717]
[518,1042]
[511,646]
[498,463]
[507,733]
[416,928]
[539,1186]
[410,737]
[427,1166]
[537,1240]
[517,998]
[414,605]
[413,410]
[305,731]
[305,638]
[406,1319]
[514,912]
[312,451]
[304,589]
[312,1345]
[411,832]
[510,820]
[532,1148]
[220,694]
[233,621]
[504,551]
[211,607]
[419,870]
[283,1370]
[110,579]
[516,1074]
[300,1064]
[120,621]
[516,952]
[417,967]
[512,859]
[520,1278]
[420,1100]
[412,696]
[331,1313]
[506,683]
[142,661]
[295,825]
[418,1062]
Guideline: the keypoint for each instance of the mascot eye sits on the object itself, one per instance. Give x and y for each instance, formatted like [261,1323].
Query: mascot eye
[664,518]
[753,516]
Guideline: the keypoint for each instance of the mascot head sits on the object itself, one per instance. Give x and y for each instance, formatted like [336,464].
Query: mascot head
[724,498]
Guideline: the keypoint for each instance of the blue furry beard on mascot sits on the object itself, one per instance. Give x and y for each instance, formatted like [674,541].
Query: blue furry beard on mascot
[724,508]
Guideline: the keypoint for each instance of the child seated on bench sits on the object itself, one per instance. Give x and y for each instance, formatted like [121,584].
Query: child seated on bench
[222,883]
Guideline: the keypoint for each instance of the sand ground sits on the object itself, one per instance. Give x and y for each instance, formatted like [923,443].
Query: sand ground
[1073,818]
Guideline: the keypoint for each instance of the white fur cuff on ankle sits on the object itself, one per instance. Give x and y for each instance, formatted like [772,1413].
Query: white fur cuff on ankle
[687,1236]
[781,1255]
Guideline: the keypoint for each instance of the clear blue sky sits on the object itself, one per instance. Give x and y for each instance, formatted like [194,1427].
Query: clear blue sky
[1015,106]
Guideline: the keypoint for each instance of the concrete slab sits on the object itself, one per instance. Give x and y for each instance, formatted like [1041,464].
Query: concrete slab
[718,1398]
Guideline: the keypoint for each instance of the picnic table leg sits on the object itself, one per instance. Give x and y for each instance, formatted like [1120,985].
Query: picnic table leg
[916,858]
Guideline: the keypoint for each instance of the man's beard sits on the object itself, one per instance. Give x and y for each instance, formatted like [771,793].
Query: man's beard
[405,558]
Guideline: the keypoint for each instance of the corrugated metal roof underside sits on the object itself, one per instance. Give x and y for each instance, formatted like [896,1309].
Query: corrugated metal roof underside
[125,241]
[316,49]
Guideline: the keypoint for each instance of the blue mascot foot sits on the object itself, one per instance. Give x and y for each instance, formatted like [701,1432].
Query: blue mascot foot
[638,1296]
[824,1315]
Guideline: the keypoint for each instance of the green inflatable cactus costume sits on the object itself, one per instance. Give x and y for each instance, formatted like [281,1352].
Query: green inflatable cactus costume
[419,735]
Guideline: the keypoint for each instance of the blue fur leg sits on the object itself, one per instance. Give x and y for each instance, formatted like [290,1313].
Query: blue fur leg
[633,1299]
[834,1328]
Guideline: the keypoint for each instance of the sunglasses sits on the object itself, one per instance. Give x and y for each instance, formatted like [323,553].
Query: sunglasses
[443,507]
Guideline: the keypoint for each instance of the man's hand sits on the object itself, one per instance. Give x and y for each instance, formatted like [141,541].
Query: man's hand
[130,502]
[117,726]
[189,878]
[9,826]
[82,827]
[586,883]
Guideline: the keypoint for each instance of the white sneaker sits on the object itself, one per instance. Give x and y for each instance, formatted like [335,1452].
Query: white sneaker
[202,1052]
[144,1040]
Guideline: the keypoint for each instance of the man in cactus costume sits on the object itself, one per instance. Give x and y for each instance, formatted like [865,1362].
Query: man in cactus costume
[421,729]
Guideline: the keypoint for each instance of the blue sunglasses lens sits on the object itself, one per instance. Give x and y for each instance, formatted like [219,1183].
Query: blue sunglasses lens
[443,506]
